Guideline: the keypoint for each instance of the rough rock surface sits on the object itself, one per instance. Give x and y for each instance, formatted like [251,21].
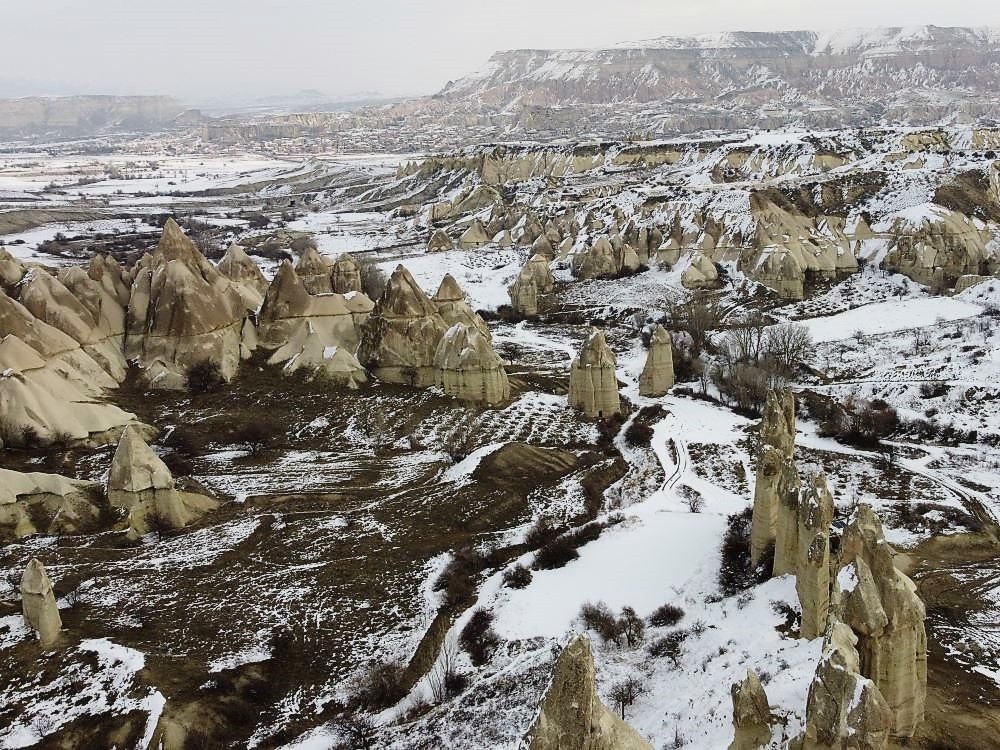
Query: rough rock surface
[140,482]
[844,710]
[34,502]
[239,268]
[345,275]
[606,258]
[593,385]
[453,307]
[400,339]
[777,436]
[571,715]
[881,605]
[316,332]
[469,368]
[534,281]
[473,237]
[658,373]
[49,385]
[751,714]
[182,312]
[701,273]
[439,241]
[812,574]
[38,603]
[315,271]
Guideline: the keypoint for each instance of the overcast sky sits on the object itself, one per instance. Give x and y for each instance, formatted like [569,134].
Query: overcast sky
[203,49]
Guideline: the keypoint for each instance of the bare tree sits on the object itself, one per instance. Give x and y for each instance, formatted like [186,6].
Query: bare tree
[697,316]
[789,345]
[625,693]
[745,340]
[444,679]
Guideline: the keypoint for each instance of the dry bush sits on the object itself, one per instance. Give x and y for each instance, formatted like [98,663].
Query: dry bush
[478,638]
[517,577]
[666,615]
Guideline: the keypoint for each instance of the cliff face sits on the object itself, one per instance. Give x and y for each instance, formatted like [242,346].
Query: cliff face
[719,80]
[82,115]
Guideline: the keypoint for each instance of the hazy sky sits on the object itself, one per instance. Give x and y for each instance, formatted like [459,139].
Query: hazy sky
[202,49]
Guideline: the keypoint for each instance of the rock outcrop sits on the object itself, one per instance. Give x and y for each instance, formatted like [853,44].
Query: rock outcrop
[50,387]
[606,258]
[532,283]
[315,270]
[812,573]
[844,710]
[38,603]
[469,368]
[454,308]
[571,714]
[32,503]
[593,385]
[473,237]
[316,332]
[239,268]
[141,483]
[880,604]
[774,468]
[751,714]
[700,273]
[400,339]
[182,312]
[439,241]
[345,275]
[658,373]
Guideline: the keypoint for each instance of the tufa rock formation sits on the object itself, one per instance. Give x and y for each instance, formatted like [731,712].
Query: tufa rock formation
[571,715]
[593,385]
[469,368]
[812,572]
[473,237]
[844,710]
[439,241]
[141,483]
[880,604]
[316,332]
[38,603]
[400,339]
[534,280]
[346,274]
[32,503]
[774,468]
[239,268]
[453,307]
[182,312]
[315,271]
[607,258]
[751,714]
[700,273]
[658,373]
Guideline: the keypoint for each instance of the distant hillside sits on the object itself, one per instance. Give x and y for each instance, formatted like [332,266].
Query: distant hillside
[919,74]
[85,115]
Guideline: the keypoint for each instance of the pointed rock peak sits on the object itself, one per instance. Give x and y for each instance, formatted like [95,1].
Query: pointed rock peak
[403,296]
[175,245]
[35,579]
[595,351]
[660,335]
[135,467]
[236,254]
[538,258]
[346,259]
[750,704]
[286,292]
[603,245]
[312,263]
[449,291]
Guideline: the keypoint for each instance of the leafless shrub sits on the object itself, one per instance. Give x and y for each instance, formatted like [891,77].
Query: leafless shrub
[624,694]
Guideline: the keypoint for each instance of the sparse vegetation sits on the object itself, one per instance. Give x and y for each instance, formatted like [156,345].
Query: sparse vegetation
[666,615]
